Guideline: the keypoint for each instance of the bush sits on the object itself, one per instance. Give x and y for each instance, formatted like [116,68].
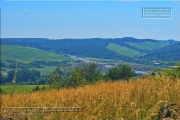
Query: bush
[173,73]
[37,88]
[120,72]
[2,91]
[76,78]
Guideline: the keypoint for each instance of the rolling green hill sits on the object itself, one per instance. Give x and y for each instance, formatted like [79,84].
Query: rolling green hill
[168,53]
[28,54]
[123,50]
[127,48]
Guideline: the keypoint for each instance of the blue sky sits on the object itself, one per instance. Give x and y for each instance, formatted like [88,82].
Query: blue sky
[92,19]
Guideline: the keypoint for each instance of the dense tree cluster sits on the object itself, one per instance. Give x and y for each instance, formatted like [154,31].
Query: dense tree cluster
[34,64]
[79,76]
[89,74]
[24,76]
[120,72]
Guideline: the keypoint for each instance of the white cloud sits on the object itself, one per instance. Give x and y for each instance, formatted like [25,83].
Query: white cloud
[25,10]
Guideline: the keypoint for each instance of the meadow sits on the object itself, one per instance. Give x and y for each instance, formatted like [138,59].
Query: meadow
[123,50]
[101,59]
[139,99]
[147,45]
[29,54]
[19,89]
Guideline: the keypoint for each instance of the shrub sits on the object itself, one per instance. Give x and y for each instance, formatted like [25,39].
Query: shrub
[2,91]
[120,72]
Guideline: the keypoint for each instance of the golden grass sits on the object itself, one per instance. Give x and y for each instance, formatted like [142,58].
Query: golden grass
[134,100]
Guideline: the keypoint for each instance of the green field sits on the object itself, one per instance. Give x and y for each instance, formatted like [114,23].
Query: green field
[147,45]
[46,69]
[20,88]
[123,50]
[28,54]
[101,59]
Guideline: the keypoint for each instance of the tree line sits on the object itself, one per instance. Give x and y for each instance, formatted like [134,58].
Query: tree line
[23,76]
[89,74]
[34,64]
[63,77]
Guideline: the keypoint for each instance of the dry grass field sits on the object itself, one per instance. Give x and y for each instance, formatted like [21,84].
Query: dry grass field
[138,99]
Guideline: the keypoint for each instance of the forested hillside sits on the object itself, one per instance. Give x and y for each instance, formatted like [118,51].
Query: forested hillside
[126,48]
[168,53]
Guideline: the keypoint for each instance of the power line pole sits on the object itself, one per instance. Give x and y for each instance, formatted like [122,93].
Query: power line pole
[14,79]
